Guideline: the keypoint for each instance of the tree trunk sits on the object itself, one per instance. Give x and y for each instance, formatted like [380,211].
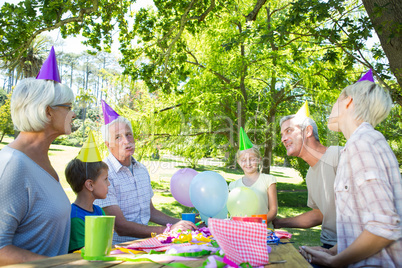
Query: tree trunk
[270,134]
[386,16]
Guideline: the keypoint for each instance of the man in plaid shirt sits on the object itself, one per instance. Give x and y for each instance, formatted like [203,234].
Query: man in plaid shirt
[130,194]
[368,187]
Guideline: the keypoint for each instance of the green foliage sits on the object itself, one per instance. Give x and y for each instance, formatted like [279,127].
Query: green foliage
[21,23]
[3,97]
[80,131]
[6,123]
[213,67]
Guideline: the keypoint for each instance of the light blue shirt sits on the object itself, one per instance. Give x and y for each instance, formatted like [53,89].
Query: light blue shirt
[130,190]
[34,209]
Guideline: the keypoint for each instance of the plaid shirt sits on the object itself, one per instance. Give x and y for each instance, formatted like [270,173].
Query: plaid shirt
[132,193]
[368,195]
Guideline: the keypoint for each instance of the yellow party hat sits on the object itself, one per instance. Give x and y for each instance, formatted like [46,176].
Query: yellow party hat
[89,151]
[303,111]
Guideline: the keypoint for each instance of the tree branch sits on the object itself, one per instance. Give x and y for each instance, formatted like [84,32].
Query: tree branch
[79,18]
[203,15]
[252,16]
[220,76]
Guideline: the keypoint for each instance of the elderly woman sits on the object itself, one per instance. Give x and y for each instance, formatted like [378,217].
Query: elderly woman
[34,209]
[368,188]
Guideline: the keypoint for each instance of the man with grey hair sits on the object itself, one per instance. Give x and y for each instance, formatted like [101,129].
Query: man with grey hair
[300,137]
[130,193]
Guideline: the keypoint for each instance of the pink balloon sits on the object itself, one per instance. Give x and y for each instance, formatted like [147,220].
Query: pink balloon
[180,185]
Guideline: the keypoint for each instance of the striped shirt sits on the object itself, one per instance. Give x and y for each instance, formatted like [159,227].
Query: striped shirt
[368,195]
[132,192]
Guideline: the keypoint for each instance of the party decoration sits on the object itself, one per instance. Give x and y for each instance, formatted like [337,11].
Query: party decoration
[89,151]
[180,185]
[303,111]
[108,113]
[49,70]
[368,76]
[223,214]
[242,201]
[244,141]
[208,193]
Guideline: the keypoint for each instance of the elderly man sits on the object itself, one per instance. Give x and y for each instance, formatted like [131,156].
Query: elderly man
[300,137]
[130,192]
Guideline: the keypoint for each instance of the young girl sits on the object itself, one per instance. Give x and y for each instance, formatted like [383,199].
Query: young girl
[263,185]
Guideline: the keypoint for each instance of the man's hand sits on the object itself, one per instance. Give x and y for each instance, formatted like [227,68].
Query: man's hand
[277,223]
[317,255]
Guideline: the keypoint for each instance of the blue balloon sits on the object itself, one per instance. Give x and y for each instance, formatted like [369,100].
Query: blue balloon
[209,193]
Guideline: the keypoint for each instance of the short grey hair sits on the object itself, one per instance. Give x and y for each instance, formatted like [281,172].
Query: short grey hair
[30,99]
[105,128]
[302,122]
[372,103]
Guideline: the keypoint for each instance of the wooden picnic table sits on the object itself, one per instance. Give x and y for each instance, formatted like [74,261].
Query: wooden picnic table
[279,252]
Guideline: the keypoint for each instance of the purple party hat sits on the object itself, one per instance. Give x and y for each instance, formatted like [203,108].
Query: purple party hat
[49,70]
[368,76]
[108,113]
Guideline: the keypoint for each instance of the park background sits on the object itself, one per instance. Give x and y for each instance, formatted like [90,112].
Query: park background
[189,74]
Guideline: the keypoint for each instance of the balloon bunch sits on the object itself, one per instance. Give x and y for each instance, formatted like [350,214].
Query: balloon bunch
[206,191]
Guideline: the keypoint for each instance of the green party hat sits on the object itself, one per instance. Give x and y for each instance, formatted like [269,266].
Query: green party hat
[244,141]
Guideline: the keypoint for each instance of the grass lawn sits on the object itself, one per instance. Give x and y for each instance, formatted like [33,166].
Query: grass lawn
[292,193]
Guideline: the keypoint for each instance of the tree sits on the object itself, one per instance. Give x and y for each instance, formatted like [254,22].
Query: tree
[95,19]
[29,65]
[386,19]
[347,27]
[227,70]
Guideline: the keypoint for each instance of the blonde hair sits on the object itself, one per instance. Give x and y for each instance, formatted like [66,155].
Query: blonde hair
[30,99]
[372,103]
[255,150]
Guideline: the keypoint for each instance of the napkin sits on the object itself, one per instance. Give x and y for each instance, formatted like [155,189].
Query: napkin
[241,241]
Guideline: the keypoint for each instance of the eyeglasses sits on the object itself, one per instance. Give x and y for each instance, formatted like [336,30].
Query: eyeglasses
[68,106]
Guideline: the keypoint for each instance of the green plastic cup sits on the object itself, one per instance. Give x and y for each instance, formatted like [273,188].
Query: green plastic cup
[98,235]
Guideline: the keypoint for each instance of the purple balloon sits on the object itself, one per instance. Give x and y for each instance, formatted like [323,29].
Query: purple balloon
[180,185]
